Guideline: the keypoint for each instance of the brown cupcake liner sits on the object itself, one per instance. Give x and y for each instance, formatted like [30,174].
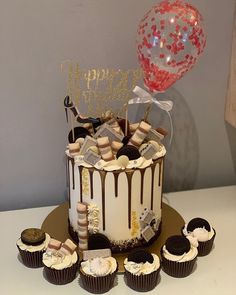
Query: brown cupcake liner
[97,285]
[31,259]
[177,269]
[61,276]
[204,248]
[142,283]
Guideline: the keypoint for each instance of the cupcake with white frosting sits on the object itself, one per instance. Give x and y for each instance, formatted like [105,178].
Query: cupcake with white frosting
[98,271]
[31,245]
[60,262]
[201,234]
[178,256]
[142,270]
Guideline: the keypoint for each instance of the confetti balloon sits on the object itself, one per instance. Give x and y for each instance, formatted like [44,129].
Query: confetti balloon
[170,40]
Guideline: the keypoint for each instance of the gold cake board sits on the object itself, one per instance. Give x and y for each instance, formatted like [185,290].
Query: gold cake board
[56,225]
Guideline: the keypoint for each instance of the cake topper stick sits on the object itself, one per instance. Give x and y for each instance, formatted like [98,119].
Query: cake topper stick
[72,127]
[147,112]
[126,119]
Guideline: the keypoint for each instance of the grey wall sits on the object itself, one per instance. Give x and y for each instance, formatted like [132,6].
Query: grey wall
[35,36]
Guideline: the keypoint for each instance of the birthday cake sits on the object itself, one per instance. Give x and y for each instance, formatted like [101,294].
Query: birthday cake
[114,179]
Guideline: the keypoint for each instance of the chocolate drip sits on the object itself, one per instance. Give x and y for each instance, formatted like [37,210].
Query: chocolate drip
[153,166]
[91,182]
[116,175]
[73,172]
[129,175]
[142,172]
[103,177]
[81,182]
[162,170]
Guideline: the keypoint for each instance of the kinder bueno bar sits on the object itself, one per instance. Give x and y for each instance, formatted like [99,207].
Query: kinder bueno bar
[68,247]
[116,145]
[88,142]
[91,157]
[107,131]
[133,127]
[74,149]
[105,148]
[140,134]
[90,254]
[82,210]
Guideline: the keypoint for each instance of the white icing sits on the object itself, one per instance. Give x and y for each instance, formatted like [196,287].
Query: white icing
[58,261]
[190,255]
[99,266]
[161,152]
[142,268]
[199,234]
[31,248]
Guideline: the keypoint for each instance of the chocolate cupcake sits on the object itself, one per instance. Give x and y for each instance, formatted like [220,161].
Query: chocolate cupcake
[201,234]
[178,256]
[142,270]
[97,273]
[31,245]
[60,262]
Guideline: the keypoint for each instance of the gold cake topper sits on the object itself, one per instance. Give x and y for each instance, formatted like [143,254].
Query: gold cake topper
[99,89]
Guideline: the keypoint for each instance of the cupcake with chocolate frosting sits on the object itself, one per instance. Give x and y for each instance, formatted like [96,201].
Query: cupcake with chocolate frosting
[60,262]
[201,234]
[142,270]
[98,271]
[31,245]
[178,256]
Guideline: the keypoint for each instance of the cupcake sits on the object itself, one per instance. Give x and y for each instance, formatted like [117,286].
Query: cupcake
[178,256]
[31,245]
[60,262]
[142,270]
[201,234]
[98,271]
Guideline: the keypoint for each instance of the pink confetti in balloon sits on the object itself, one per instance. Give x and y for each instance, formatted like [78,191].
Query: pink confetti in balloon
[170,40]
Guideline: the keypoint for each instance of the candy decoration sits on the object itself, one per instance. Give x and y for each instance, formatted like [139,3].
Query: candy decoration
[68,247]
[170,40]
[106,130]
[88,142]
[82,225]
[140,134]
[105,148]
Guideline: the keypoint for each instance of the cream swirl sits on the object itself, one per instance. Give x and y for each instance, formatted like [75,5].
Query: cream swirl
[190,255]
[200,234]
[99,266]
[142,268]
[31,248]
[58,261]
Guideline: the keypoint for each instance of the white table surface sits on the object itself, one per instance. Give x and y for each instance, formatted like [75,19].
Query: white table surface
[215,274]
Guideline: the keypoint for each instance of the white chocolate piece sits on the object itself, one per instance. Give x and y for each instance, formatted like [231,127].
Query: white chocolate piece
[123,161]
[94,149]
[149,151]
[91,157]
[147,233]
[80,140]
[156,144]
[54,244]
[68,247]
[154,135]
[147,216]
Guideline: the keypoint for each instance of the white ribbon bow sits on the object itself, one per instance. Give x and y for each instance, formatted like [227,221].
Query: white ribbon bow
[144,97]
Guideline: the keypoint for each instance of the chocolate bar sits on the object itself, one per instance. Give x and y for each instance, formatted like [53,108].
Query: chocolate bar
[88,142]
[148,151]
[147,233]
[107,131]
[154,135]
[147,216]
[91,157]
